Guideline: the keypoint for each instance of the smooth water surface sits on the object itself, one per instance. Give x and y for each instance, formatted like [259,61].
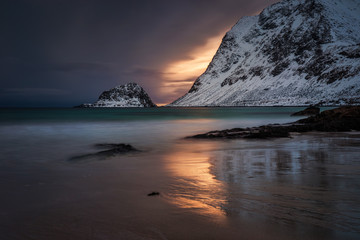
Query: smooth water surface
[304,187]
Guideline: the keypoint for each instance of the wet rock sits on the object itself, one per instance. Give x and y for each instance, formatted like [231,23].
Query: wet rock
[118,146]
[336,120]
[111,150]
[312,110]
[262,132]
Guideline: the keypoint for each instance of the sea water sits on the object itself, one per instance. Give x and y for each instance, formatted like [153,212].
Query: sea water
[306,186]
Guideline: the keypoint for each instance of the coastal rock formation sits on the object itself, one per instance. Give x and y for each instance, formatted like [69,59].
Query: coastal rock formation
[128,95]
[296,52]
[312,110]
[111,149]
[336,120]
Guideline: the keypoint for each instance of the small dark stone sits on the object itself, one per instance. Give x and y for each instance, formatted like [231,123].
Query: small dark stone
[153,194]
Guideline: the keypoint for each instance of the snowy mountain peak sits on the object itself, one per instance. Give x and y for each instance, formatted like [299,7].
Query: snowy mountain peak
[295,52]
[127,95]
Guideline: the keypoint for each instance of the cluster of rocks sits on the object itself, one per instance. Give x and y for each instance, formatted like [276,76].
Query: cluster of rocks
[336,120]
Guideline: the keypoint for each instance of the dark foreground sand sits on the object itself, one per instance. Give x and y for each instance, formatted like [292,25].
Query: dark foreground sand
[306,187]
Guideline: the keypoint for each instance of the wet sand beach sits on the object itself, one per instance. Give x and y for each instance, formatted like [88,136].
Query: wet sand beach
[304,187]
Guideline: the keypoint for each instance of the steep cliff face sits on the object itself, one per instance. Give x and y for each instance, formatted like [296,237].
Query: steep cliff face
[128,95]
[296,52]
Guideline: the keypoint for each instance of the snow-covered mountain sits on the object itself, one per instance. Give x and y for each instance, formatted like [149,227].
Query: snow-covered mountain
[128,95]
[296,52]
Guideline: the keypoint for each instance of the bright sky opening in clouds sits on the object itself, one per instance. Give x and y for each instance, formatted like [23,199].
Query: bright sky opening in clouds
[182,74]
[198,60]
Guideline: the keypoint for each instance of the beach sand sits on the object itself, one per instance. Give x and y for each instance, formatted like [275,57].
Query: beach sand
[304,187]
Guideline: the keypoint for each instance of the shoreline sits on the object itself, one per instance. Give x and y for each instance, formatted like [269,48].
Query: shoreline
[257,106]
[342,119]
[290,188]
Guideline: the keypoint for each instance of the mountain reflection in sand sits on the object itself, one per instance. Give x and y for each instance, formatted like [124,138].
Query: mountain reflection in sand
[195,187]
[310,180]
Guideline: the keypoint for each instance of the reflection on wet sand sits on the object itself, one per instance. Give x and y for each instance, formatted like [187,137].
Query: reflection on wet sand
[195,188]
[310,180]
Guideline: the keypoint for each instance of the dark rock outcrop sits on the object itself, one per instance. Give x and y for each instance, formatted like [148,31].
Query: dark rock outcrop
[268,131]
[111,149]
[312,110]
[336,120]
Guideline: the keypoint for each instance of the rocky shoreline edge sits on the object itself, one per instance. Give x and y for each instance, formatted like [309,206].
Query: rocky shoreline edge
[342,119]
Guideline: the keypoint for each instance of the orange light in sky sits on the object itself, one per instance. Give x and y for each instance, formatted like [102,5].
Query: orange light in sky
[198,60]
[182,74]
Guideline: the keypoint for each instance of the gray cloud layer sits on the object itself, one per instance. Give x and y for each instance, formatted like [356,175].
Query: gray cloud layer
[82,47]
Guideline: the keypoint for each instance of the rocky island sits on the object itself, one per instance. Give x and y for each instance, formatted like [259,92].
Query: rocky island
[127,95]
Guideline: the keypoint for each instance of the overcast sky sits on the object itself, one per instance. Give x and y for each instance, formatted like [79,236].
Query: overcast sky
[64,53]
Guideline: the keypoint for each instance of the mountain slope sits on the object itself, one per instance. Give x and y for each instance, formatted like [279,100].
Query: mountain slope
[128,95]
[296,52]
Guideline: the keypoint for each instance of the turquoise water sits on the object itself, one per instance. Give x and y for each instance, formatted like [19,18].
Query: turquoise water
[70,130]
[141,114]
[304,187]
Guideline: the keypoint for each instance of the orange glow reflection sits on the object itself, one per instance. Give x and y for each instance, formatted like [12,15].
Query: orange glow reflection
[195,187]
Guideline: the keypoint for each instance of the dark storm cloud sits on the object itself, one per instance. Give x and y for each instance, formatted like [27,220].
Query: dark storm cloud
[33,91]
[85,46]
[81,66]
